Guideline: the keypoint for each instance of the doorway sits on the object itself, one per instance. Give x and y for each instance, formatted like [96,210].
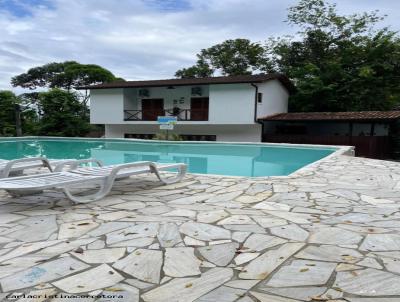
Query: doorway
[199,109]
[152,108]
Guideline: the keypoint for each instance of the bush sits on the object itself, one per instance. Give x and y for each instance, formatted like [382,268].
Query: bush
[162,136]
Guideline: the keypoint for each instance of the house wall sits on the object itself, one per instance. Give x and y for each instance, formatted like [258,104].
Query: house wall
[131,99]
[181,94]
[239,98]
[274,100]
[231,110]
[233,133]
[231,104]
[106,106]
[228,103]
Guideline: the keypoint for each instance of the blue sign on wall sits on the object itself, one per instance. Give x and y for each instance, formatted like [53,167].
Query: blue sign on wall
[166,120]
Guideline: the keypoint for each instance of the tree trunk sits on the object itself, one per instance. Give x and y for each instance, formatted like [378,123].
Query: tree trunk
[18,127]
[85,101]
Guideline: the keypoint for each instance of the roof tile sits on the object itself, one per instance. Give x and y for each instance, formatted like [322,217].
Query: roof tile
[196,81]
[333,116]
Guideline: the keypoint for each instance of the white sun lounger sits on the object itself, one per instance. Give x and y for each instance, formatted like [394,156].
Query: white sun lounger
[17,166]
[103,176]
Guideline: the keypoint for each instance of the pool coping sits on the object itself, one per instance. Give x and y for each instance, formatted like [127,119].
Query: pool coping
[339,150]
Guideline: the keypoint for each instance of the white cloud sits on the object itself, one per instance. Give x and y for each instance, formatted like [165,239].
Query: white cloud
[141,39]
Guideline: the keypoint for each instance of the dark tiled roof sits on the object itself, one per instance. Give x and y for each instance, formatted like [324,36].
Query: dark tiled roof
[334,116]
[196,81]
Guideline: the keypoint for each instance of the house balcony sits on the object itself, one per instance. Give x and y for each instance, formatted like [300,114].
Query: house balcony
[181,114]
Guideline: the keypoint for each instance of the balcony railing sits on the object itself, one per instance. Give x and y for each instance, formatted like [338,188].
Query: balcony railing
[132,115]
[181,114]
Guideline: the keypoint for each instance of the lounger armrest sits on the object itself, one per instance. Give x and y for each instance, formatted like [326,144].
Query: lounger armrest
[120,167]
[153,169]
[73,164]
[10,165]
[181,166]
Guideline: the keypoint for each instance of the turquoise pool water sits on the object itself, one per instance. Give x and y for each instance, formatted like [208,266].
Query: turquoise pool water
[206,158]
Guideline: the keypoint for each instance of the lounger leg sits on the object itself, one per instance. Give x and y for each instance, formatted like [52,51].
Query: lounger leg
[105,188]
[180,175]
[107,183]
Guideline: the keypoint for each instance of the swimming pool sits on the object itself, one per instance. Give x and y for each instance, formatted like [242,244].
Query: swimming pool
[206,158]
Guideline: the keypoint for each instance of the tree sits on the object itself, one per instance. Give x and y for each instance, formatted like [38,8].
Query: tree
[7,113]
[9,104]
[60,114]
[65,75]
[231,57]
[200,70]
[338,63]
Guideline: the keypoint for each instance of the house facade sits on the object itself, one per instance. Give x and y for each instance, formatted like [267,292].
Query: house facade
[216,108]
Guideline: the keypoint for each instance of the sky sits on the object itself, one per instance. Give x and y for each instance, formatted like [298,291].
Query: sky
[141,39]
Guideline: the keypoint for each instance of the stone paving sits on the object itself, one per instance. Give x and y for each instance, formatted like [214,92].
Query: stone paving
[328,233]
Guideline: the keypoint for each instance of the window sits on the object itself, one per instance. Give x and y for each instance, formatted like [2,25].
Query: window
[139,136]
[198,137]
[196,91]
[259,97]
[144,93]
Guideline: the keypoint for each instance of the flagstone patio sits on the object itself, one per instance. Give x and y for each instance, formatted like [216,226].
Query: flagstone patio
[329,233]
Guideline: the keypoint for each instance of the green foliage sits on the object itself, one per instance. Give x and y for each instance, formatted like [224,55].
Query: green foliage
[338,63]
[322,15]
[8,103]
[200,70]
[163,136]
[61,114]
[7,113]
[231,57]
[64,112]
[65,75]
[29,121]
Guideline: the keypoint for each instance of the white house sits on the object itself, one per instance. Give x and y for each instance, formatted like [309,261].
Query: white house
[214,108]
